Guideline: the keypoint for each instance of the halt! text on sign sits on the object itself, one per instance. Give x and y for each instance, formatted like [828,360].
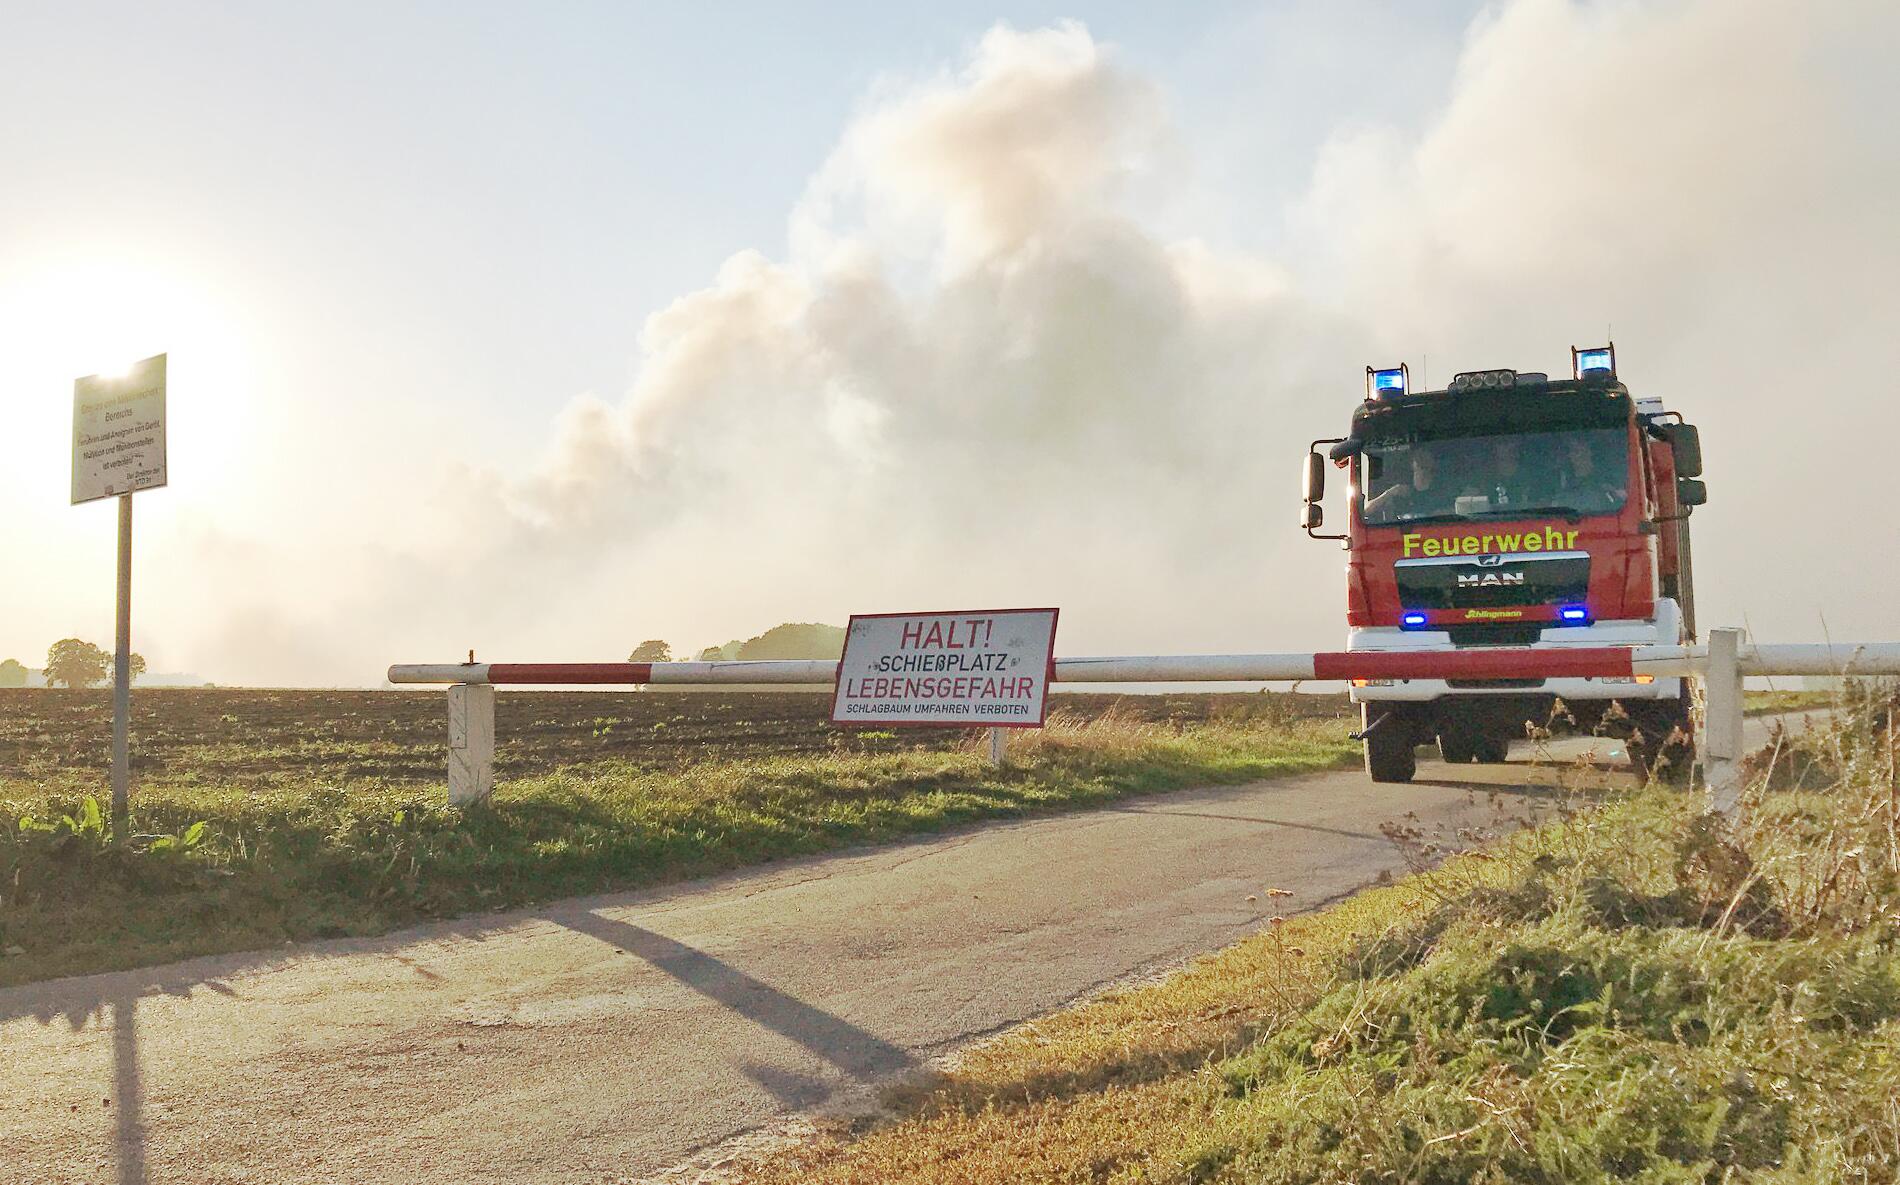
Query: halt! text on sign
[987,668]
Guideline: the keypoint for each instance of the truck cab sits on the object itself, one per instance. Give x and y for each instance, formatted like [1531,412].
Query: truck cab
[1513,509]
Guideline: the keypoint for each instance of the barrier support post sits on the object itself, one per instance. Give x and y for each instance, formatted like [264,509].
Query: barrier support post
[998,742]
[1722,722]
[471,743]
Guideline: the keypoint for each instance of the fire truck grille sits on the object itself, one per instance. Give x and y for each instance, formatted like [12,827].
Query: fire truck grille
[1494,684]
[1493,634]
[1493,581]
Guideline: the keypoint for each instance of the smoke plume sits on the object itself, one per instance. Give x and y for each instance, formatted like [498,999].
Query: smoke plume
[983,375]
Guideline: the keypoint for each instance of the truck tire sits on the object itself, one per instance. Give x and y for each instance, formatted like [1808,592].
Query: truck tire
[1390,747]
[1459,742]
[1494,748]
[1662,740]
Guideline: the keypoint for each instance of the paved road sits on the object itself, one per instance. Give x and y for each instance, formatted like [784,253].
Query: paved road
[606,1038]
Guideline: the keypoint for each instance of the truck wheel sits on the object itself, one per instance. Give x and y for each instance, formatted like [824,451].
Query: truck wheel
[1458,744]
[1390,748]
[1493,748]
[1662,743]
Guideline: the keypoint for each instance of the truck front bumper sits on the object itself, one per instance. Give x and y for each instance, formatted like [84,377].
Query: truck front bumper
[1665,628]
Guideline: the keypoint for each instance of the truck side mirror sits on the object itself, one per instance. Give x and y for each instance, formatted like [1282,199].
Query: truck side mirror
[1690,492]
[1686,443]
[1314,487]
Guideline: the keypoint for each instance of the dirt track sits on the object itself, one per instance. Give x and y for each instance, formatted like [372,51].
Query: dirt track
[604,1039]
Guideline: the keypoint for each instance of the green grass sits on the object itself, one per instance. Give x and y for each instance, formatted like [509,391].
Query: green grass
[1760,703]
[1633,993]
[225,864]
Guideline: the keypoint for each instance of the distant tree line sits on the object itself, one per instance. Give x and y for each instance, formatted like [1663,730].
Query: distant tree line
[791,640]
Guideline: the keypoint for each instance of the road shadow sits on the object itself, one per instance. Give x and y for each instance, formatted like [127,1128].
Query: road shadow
[80,999]
[792,1091]
[1262,821]
[861,1055]
[1569,777]
[1514,789]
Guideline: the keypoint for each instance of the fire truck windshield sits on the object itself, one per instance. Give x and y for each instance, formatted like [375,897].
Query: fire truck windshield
[1572,473]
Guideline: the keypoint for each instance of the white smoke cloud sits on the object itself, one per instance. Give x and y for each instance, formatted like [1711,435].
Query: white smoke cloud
[983,376]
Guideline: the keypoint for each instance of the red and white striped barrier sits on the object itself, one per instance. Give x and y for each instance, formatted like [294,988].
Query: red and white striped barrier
[1865,658]
[1720,664]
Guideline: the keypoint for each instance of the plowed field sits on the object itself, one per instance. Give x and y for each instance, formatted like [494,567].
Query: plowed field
[400,736]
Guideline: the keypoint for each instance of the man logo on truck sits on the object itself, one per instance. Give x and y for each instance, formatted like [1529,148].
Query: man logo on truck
[1489,579]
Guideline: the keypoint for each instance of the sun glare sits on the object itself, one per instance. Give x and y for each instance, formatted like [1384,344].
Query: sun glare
[69,319]
[98,318]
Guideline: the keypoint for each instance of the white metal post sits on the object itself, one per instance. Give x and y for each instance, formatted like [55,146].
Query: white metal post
[1722,721]
[471,743]
[122,681]
[998,743]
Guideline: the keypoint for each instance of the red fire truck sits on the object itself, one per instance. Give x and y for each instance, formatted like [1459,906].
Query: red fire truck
[1513,509]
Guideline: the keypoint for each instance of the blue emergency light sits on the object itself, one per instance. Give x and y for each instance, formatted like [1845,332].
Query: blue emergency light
[1413,620]
[1575,613]
[1389,383]
[1598,362]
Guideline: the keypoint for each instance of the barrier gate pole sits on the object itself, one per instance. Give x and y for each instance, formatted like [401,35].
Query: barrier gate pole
[1718,666]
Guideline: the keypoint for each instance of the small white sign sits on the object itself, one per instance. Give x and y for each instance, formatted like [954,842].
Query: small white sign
[987,668]
[119,432]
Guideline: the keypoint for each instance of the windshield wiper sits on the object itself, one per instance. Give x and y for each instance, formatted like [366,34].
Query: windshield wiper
[1567,513]
[1421,520]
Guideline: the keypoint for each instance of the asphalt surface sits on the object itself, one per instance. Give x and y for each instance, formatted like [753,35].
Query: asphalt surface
[606,1038]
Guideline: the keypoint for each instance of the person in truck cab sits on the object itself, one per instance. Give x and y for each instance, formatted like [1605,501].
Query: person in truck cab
[1508,483]
[1422,494]
[1585,485]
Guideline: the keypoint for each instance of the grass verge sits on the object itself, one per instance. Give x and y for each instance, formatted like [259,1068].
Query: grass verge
[1762,703]
[1636,993]
[222,867]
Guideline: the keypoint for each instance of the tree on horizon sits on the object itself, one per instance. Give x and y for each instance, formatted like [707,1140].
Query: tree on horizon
[791,640]
[808,639]
[71,662]
[651,650]
[13,673]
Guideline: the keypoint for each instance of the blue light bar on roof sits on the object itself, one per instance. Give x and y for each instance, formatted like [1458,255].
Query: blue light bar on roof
[1578,614]
[1389,383]
[1598,362]
[1413,620]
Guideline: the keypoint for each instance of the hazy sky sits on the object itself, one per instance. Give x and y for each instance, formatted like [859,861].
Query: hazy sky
[543,330]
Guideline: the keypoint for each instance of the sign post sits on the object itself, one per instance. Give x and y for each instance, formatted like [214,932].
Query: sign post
[119,449]
[986,668]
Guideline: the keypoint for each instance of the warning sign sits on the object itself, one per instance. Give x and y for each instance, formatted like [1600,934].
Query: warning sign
[119,432]
[989,668]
